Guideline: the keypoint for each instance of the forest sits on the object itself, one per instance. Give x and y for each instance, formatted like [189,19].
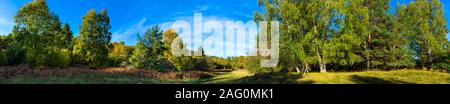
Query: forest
[317,37]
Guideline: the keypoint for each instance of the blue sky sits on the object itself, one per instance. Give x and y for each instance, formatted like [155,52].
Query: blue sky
[129,17]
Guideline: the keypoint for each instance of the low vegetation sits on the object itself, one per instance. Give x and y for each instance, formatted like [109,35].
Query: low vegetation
[84,75]
[410,76]
[72,75]
[315,36]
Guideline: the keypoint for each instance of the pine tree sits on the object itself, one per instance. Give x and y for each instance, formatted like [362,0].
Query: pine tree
[344,48]
[150,47]
[68,36]
[139,58]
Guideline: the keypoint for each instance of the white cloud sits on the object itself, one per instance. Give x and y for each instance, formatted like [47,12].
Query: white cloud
[242,14]
[129,34]
[201,8]
[6,14]
[232,46]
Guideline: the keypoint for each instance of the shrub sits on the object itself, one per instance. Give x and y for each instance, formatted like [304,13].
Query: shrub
[3,57]
[252,63]
[59,58]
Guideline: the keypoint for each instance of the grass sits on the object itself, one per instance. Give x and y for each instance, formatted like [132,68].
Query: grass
[126,76]
[227,77]
[380,77]
[368,77]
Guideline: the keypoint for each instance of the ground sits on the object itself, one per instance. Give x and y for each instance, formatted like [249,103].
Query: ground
[18,75]
[367,77]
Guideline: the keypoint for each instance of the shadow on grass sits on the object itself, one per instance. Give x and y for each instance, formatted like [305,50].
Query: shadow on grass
[268,78]
[374,80]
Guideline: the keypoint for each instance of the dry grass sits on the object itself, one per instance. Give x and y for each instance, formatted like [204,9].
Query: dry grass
[82,75]
[19,74]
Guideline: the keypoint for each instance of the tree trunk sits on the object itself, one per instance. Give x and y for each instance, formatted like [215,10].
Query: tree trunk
[366,48]
[367,63]
[298,70]
[323,67]
[422,63]
[321,62]
[430,60]
[307,69]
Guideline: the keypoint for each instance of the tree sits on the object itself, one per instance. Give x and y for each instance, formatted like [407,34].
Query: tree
[68,36]
[118,54]
[386,44]
[426,27]
[178,62]
[91,47]
[439,56]
[139,58]
[37,33]
[307,28]
[150,48]
[3,46]
[344,47]
[271,12]
[390,49]
[200,62]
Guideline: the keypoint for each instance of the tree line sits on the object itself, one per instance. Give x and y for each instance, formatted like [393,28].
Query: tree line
[319,35]
[39,39]
[358,34]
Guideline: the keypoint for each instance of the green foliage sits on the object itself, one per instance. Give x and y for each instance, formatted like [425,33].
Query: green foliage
[139,58]
[15,53]
[148,54]
[252,63]
[67,40]
[118,54]
[342,50]
[59,58]
[200,62]
[3,54]
[182,62]
[91,47]
[37,32]
[310,31]
[319,35]
[442,60]
[348,34]
[424,23]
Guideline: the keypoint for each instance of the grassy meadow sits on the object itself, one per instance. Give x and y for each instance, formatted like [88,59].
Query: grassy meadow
[18,75]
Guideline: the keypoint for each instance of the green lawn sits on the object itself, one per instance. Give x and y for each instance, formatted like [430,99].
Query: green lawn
[245,77]
[368,77]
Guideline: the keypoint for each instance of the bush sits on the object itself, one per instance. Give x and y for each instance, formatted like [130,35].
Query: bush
[118,54]
[3,57]
[59,58]
[3,45]
[442,61]
[443,65]
[252,63]
[15,55]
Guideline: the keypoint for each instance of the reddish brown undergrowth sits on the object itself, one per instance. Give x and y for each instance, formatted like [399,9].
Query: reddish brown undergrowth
[22,70]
